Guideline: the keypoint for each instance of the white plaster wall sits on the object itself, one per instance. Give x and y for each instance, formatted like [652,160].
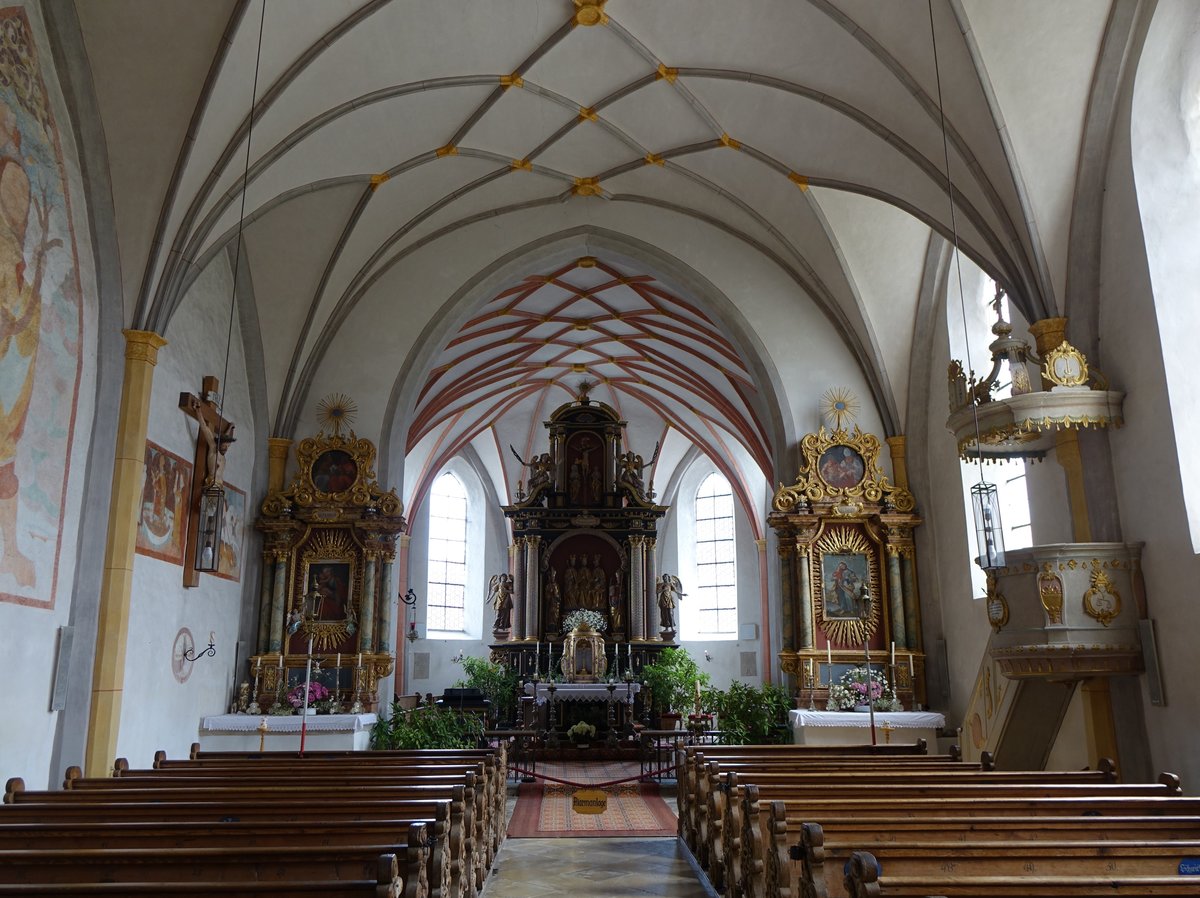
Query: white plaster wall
[29,635]
[1147,464]
[158,712]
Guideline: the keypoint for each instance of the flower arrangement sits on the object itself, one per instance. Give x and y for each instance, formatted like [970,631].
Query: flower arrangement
[316,693]
[579,616]
[857,689]
[582,732]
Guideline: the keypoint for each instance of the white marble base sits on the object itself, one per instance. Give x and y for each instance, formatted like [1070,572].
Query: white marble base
[324,732]
[854,727]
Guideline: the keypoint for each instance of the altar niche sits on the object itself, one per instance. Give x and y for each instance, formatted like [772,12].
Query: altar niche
[847,569]
[585,527]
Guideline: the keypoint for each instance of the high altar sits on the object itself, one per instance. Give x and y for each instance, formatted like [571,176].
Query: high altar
[847,566]
[330,533]
[585,528]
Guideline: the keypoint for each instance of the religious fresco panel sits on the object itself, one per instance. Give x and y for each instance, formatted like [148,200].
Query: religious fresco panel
[233,534]
[165,494]
[41,327]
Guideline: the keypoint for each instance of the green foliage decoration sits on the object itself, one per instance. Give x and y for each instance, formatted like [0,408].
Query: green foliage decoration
[426,727]
[672,680]
[749,715]
[498,682]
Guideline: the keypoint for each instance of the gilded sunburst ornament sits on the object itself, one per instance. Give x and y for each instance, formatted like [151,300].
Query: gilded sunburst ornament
[838,403]
[335,411]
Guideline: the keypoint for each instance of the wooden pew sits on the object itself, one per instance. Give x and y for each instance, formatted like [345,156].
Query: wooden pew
[384,884]
[719,819]
[1108,846]
[864,881]
[767,862]
[450,875]
[233,865]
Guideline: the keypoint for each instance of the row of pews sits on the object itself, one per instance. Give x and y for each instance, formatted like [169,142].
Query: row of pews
[387,824]
[892,820]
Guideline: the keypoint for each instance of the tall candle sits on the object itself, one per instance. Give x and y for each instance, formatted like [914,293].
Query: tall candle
[338,662]
[893,655]
[257,664]
[829,655]
[911,669]
[281,660]
[360,659]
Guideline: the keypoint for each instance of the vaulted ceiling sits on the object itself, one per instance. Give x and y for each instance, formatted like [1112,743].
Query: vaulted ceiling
[399,150]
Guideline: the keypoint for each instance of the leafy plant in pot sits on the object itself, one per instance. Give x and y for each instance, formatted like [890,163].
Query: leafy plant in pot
[671,681]
[496,681]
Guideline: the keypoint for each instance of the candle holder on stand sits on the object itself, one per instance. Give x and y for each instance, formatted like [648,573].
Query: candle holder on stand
[280,692]
[612,716]
[253,707]
[552,717]
[359,676]
[811,683]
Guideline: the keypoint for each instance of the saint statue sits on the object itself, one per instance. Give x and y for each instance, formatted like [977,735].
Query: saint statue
[500,589]
[669,587]
[553,602]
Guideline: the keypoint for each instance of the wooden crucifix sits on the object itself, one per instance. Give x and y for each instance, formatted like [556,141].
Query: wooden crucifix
[216,433]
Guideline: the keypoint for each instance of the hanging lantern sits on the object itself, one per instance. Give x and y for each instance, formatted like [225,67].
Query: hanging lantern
[212,515]
[989,536]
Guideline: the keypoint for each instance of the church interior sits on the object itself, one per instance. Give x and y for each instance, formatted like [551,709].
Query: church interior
[559,333]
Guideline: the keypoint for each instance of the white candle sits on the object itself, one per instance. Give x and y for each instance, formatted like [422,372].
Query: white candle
[338,662]
[911,669]
[360,659]
[829,655]
[281,660]
[257,665]
[893,655]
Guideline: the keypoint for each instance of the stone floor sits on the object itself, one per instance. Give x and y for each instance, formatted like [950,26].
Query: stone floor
[604,868]
[581,868]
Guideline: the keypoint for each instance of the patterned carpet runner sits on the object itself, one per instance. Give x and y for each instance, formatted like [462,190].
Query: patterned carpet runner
[544,809]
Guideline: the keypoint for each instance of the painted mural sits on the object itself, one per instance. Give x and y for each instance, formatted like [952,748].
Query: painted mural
[41,337]
[163,522]
[233,534]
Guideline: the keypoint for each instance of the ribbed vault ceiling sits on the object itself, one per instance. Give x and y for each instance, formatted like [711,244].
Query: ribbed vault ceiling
[385,134]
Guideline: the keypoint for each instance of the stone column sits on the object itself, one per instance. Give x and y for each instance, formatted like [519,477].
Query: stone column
[912,607]
[517,620]
[808,629]
[278,599]
[637,589]
[896,610]
[116,587]
[653,622]
[401,627]
[277,456]
[787,595]
[533,592]
[387,604]
[366,623]
[264,605]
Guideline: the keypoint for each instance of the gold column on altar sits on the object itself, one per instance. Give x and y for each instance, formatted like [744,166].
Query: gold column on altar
[129,476]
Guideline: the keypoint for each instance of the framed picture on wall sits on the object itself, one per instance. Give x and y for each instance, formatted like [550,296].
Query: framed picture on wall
[163,519]
[847,594]
[233,534]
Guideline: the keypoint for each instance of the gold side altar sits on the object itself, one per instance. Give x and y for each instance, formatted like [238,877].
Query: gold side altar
[845,532]
[329,536]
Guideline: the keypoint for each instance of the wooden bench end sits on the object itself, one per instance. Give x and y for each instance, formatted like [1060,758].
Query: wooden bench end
[12,787]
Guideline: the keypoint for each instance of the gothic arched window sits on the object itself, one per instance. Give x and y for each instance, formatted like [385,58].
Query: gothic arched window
[447,588]
[712,605]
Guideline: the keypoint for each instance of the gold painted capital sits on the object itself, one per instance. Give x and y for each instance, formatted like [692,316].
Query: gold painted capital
[1048,333]
[143,346]
[762,544]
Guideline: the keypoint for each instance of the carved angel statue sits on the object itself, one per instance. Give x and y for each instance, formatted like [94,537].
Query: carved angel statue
[500,589]
[669,586]
[540,468]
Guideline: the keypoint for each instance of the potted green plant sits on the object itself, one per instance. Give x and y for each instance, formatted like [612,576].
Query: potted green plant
[671,681]
[749,715]
[582,734]
[496,681]
[426,726]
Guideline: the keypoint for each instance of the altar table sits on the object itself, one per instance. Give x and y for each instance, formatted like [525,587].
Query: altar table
[624,693]
[239,732]
[854,727]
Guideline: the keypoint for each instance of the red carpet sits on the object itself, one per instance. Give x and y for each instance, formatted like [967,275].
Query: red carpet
[544,810]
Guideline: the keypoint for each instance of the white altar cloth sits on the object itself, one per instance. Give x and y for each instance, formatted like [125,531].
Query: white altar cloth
[854,727]
[584,692]
[239,732]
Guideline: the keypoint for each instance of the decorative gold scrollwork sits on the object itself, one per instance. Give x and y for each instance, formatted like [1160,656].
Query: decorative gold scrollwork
[997,605]
[1050,592]
[841,467]
[1102,601]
